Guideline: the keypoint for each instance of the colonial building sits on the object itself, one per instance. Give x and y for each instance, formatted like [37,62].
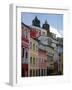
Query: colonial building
[25,41]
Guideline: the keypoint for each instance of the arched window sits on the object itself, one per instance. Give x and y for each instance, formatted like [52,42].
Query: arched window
[23,50]
[30,60]
[26,34]
[30,72]
[33,60]
[34,47]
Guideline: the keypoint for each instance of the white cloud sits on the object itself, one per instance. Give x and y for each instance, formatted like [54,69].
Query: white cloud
[55,31]
[61,32]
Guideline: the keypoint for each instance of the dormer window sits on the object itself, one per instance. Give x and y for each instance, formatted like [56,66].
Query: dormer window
[49,41]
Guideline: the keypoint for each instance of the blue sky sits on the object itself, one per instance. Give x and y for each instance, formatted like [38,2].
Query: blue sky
[55,20]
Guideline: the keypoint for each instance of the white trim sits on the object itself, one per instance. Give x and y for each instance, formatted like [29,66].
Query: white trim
[15,46]
[13,59]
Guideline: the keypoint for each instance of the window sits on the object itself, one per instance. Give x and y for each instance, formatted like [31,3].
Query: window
[23,73]
[26,54]
[43,33]
[26,34]
[30,45]
[33,72]
[41,60]
[44,72]
[30,60]
[36,72]
[49,41]
[34,60]
[50,58]
[22,31]
[30,72]
[22,52]
[59,54]
[34,47]
[39,72]
[45,60]
[51,64]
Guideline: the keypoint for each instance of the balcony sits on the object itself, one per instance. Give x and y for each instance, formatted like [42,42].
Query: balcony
[42,47]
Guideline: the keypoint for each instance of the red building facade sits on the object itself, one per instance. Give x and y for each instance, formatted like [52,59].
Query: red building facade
[25,41]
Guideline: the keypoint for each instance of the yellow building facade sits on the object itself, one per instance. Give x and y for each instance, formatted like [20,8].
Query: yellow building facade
[33,57]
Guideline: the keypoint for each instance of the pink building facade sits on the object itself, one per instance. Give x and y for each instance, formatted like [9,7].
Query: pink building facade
[42,64]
